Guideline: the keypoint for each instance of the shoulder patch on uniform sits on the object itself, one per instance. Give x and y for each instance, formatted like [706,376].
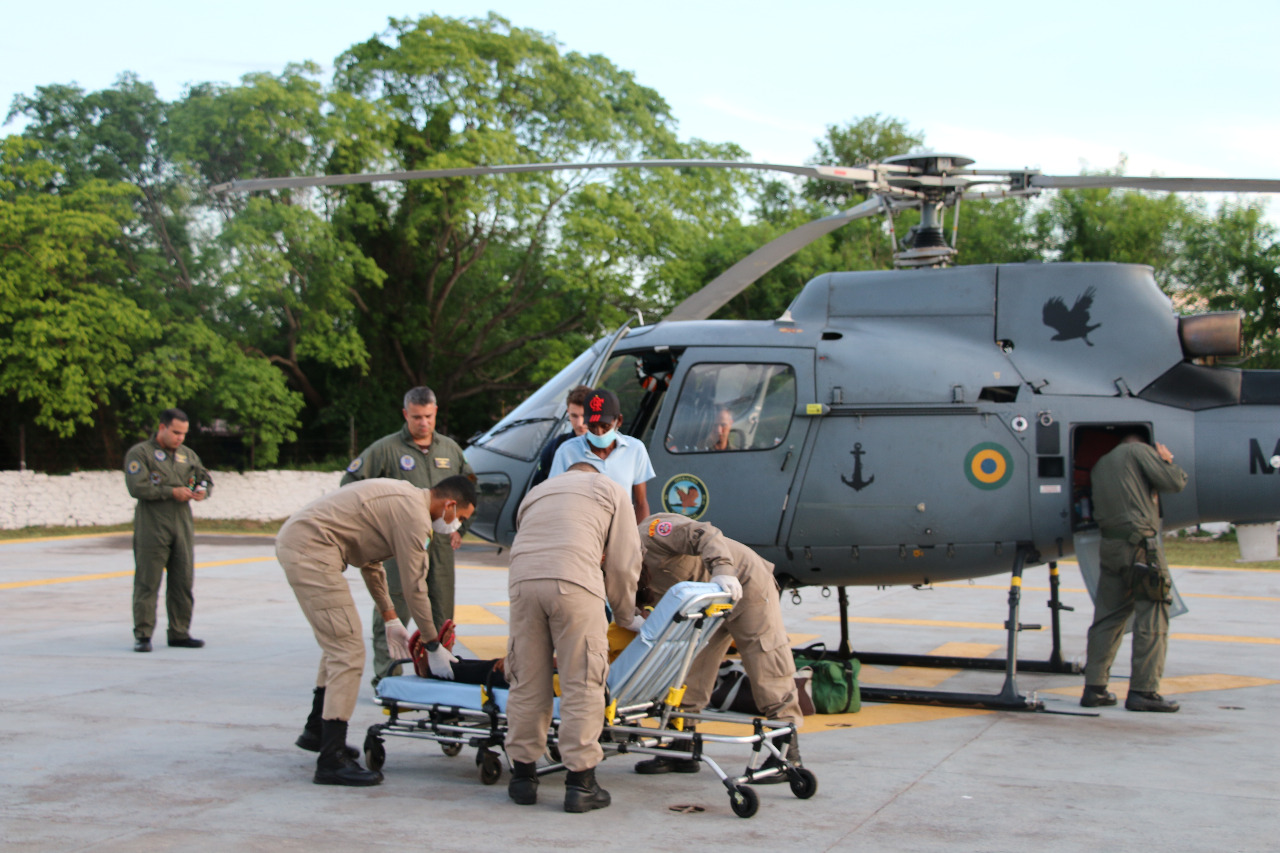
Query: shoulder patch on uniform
[155,478]
[355,465]
[407,463]
[664,528]
[134,466]
[443,462]
[159,455]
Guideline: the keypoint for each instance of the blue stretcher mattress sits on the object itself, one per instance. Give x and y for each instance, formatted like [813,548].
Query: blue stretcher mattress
[414,690]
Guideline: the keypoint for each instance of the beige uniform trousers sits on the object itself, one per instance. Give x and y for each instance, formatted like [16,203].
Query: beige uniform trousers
[556,617]
[322,591]
[755,626]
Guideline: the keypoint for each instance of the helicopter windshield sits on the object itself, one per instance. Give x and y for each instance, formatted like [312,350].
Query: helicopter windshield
[524,430]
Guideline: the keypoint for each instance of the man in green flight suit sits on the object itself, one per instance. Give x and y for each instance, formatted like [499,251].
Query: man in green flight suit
[165,477]
[1135,578]
[423,457]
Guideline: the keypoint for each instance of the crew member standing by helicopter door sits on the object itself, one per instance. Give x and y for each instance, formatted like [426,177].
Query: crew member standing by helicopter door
[1135,577]
[626,461]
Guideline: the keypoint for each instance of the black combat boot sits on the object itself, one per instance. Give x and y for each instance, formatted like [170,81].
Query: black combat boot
[335,766]
[582,793]
[1152,701]
[1096,697]
[523,787]
[672,764]
[312,731]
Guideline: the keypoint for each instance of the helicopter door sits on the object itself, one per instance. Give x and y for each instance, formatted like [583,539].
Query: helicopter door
[726,445]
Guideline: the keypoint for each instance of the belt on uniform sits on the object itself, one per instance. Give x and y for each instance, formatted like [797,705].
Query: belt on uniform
[1133,537]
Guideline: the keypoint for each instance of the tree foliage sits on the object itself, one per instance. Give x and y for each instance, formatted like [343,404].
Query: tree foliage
[294,319]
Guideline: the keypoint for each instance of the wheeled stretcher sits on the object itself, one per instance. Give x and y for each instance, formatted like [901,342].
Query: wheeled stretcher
[645,685]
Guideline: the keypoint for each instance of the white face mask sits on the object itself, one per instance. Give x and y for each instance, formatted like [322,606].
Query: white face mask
[602,441]
[439,525]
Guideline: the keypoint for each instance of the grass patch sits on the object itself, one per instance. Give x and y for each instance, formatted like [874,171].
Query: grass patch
[207,525]
[1181,552]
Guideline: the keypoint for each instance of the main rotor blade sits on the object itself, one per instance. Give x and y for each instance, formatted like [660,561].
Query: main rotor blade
[1199,185]
[841,173]
[747,271]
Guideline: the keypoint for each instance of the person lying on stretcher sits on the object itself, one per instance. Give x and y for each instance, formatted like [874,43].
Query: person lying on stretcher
[491,672]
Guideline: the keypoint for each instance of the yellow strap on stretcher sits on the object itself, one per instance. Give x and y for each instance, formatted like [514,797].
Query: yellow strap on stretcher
[716,609]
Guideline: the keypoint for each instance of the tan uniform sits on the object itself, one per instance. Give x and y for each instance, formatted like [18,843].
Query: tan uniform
[398,457]
[1125,483]
[558,586]
[677,549]
[361,524]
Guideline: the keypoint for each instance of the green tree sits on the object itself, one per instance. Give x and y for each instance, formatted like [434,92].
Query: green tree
[1232,262]
[490,283]
[68,336]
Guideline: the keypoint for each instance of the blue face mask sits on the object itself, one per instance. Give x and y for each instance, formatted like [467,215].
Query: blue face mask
[602,441]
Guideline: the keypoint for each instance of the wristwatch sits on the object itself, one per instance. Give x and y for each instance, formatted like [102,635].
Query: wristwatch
[433,645]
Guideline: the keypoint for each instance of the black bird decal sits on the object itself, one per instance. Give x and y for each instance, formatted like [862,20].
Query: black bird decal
[1073,323]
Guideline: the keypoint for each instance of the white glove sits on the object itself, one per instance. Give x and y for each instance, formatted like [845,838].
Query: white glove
[441,662]
[397,640]
[730,585]
[637,623]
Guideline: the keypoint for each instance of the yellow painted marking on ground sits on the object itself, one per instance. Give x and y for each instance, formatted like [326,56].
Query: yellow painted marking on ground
[484,648]
[1178,684]
[498,604]
[1223,638]
[925,676]
[939,623]
[234,562]
[801,639]
[124,574]
[1085,591]
[474,614]
[72,579]
[481,568]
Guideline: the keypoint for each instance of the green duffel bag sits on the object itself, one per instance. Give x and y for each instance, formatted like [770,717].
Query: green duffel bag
[835,682]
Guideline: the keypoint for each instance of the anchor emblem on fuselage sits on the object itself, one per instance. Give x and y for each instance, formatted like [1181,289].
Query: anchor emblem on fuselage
[857,483]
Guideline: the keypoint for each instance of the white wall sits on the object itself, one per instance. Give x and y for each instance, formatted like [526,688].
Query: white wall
[28,499]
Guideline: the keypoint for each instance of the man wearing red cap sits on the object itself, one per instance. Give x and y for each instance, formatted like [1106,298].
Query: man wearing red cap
[624,458]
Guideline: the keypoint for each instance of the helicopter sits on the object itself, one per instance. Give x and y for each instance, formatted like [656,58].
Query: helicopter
[911,426]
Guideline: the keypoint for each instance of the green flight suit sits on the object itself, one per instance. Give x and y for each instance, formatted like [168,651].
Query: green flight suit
[1125,483]
[163,534]
[397,457]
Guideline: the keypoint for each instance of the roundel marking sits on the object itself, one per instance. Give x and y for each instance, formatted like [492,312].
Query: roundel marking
[988,466]
[686,495]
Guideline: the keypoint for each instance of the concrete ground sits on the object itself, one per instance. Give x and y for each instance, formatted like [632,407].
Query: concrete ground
[104,749]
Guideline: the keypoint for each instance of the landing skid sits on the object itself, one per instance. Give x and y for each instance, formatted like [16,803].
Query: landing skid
[1009,698]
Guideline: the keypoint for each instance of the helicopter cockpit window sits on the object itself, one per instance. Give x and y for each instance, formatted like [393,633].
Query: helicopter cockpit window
[523,432]
[640,380]
[733,407]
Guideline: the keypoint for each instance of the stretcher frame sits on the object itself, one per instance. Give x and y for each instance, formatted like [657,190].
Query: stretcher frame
[646,684]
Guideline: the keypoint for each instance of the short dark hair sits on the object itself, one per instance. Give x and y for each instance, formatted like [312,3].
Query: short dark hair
[168,416]
[578,396]
[420,396]
[457,487]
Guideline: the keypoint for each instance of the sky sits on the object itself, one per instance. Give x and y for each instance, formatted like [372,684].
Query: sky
[1177,88]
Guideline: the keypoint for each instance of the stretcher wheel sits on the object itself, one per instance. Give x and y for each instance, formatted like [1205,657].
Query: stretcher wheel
[490,767]
[803,783]
[744,801]
[375,754]
[451,749]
